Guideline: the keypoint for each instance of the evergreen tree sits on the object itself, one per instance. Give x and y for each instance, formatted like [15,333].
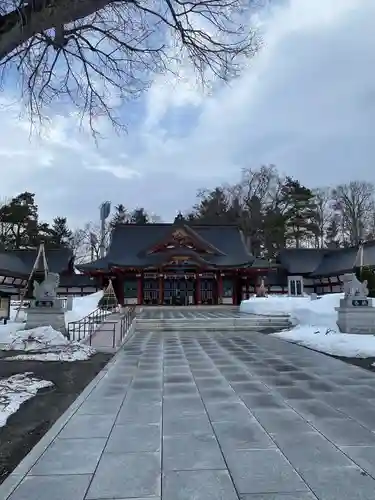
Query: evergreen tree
[139,216]
[299,212]
[213,208]
[120,216]
[59,234]
[19,221]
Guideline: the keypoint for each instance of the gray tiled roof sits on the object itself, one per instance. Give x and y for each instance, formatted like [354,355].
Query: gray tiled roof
[11,265]
[58,259]
[301,260]
[345,260]
[130,243]
[322,262]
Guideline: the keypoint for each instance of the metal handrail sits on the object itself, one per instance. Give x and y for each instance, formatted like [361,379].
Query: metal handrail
[125,323]
[84,327]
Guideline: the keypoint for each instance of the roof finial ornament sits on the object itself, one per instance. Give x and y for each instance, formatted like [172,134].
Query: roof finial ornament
[179,217]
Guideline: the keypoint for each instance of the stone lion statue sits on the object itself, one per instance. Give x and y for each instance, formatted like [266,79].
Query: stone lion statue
[47,289]
[352,287]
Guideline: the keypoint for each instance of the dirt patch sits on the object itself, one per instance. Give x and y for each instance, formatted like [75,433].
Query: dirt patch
[28,425]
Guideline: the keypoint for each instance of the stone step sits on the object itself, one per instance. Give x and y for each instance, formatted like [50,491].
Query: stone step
[254,323]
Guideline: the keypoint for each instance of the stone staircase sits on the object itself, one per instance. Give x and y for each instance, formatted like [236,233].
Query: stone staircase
[247,323]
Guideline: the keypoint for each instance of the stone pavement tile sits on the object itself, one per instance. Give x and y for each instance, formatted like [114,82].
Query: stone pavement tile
[52,488]
[178,379]
[228,412]
[141,384]
[218,394]
[70,456]
[126,475]
[295,393]
[282,421]
[198,485]
[178,406]
[315,410]
[340,483]
[88,426]
[280,496]
[204,373]
[257,401]
[217,382]
[130,438]
[101,406]
[263,471]
[146,396]
[346,432]
[249,387]
[180,389]
[186,425]
[279,381]
[242,436]
[140,414]
[308,450]
[191,452]
[364,456]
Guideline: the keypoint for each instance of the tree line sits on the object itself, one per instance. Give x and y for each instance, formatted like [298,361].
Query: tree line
[274,211]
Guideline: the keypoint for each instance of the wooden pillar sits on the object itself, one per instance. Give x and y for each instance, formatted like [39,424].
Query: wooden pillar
[161,289]
[120,289]
[234,289]
[139,288]
[220,290]
[198,298]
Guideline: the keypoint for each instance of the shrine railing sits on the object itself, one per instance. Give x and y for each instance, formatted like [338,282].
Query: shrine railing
[115,329]
[84,328]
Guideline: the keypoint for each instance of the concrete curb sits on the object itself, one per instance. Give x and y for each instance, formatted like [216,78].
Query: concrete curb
[22,469]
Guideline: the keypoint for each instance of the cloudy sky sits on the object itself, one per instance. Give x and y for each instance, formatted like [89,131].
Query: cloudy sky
[306,103]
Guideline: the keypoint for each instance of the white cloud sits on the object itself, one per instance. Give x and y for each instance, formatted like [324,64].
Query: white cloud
[305,103]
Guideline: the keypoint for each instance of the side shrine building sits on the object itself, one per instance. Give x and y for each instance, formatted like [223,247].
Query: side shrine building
[176,264]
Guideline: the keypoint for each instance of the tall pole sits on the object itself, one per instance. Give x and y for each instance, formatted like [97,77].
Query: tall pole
[105,209]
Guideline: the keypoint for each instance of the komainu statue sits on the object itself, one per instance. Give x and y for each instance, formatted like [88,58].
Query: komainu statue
[352,287]
[46,291]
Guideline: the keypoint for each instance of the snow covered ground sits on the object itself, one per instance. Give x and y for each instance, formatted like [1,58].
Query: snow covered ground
[16,390]
[44,343]
[315,324]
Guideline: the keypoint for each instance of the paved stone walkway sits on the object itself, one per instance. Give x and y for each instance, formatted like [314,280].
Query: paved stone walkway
[215,416]
[210,312]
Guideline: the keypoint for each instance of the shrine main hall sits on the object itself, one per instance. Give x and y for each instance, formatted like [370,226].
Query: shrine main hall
[177,264]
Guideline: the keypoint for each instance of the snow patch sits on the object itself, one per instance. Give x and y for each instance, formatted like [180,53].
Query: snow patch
[315,324]
[16,390]
[46,344]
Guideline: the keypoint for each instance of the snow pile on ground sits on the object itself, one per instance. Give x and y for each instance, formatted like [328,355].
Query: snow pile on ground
[331,341]
[16,390]
[46,344]
[315,324]
[83,306]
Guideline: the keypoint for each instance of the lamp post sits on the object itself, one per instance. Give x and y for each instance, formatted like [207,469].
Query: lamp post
[105,210]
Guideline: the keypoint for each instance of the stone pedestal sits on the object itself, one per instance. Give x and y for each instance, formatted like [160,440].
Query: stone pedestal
[356,315]
[46,313]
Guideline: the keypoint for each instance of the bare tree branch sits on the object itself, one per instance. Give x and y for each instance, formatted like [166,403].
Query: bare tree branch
[98,52]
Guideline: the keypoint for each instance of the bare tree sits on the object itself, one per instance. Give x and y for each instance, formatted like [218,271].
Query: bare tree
[323,214]
[95,52]
[354,203]
[86,242]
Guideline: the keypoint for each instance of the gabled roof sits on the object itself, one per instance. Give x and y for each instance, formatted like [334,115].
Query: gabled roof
[129,244]
[321,262]
[184,229]
[11,265]
[345,260]
[77,280]
[58,259]
[301,260]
